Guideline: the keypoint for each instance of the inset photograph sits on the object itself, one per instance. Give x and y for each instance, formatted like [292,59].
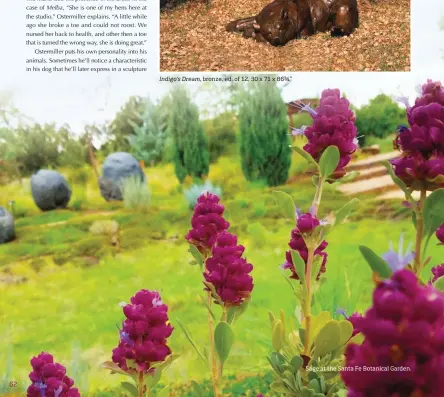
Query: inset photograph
[284,35]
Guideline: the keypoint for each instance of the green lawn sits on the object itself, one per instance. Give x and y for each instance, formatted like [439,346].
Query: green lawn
[69,300]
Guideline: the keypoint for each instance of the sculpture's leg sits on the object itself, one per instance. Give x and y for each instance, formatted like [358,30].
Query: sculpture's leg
[241,25]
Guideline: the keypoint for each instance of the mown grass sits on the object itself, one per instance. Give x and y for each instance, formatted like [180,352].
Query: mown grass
[75,281]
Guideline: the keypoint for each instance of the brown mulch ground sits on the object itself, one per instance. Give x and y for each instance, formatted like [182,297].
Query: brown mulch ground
[193,38]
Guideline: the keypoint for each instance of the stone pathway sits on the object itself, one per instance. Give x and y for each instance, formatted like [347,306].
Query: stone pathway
[373,179]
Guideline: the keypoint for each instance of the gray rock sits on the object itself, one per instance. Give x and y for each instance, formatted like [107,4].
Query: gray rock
[50,190]
[116,168]
[7,230]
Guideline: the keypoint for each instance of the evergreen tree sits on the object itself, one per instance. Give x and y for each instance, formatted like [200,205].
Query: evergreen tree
[264,134]
[121,128]
[148,141]
[191,157]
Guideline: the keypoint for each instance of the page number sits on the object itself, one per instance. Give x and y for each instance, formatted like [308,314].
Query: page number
[12,383]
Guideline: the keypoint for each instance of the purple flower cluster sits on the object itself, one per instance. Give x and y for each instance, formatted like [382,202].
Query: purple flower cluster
[404,331]
[207,222]
[421,164]
[143,338]
[228,272]
[49,379]
[440,234]
[355,319]
[333,125]
[438,272]
[225,269]
[305,223]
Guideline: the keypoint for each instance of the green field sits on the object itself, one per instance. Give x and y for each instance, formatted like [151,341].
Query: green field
[69,283]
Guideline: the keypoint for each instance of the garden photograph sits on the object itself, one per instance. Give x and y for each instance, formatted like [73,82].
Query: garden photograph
[257,247]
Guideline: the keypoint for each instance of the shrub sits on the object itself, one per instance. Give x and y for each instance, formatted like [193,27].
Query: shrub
[221,133]
[148,141]
[136,194]
[191,156]
[195,191]
[264,134]
[379,118]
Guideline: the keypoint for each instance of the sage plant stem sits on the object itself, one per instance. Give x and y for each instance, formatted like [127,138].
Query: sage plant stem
[419,232]
[308,287]
[213,358]
[318,195]
[140,384]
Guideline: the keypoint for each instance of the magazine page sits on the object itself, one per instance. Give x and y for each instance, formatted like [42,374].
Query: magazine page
[219,198]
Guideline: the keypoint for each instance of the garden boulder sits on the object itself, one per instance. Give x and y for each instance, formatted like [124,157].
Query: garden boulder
[116,168]
[50,190]
[7,230]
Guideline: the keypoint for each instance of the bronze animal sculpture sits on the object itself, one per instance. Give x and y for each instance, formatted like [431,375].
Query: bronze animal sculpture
[345,15]
[277,23]
[284,20]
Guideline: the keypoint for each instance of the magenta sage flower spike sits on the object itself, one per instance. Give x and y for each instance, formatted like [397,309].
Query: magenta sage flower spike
[355,318]
[49,379]
[421,164]
[305,223]
[228,272]
[333,125]
[404,331]
[207,222]
[143,338]
[438,272]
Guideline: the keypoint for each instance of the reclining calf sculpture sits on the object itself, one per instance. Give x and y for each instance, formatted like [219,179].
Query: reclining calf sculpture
[285,20]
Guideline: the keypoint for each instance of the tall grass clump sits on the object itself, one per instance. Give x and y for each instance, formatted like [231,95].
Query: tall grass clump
[136,194]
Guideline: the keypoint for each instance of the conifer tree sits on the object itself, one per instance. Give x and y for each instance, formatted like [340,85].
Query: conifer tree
[148,141]
[264,134]
[191,156]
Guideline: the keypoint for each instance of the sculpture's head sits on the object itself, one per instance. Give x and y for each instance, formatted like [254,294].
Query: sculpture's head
[346,20]
[276,29]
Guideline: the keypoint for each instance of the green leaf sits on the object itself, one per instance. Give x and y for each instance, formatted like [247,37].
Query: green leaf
[190,339]
[350,176]
[236,311]
[345,211]
[129,387]
[346,331]
[296,362]
[286,203]
[197,389]
[205,303]
[196,254]
[276,335]
[439,284]
[378,265]
[299,265]
[397,181]
[114,368]
[223,340]
[314,385]
[433,214]
[153,379]
[329,161]
[279,387]
[165,392]
[316,267]
[306,156]
[327,340]
[165,364]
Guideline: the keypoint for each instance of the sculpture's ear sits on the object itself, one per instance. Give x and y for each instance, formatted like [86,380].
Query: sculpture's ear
[284,14]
